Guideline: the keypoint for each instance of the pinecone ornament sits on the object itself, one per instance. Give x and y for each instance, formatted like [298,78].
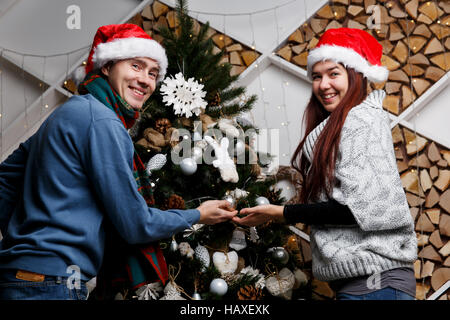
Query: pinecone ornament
[272,196]
[216,101]
[162,125]
[174,202]
[250,293]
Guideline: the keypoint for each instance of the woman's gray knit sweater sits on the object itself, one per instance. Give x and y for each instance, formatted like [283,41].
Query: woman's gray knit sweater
[368,182]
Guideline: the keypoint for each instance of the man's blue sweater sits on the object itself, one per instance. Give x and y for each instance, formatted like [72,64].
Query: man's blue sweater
[58,187]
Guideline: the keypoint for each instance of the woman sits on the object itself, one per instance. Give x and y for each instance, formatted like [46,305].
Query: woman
[362,233]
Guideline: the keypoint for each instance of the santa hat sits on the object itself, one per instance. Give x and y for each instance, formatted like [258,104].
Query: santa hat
[352,48]
[121,41]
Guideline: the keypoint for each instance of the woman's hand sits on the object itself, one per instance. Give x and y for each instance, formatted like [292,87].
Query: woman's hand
[260,214]
[215,211]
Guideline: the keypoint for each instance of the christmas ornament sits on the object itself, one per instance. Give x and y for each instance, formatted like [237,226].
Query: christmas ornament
[156,163]
[185,96]
[193,230]
[254,235]
[281,284]
[238,240]
[262,201]
[196,296]
[197,154]
[231,200]
[301,279]
[171,292]
[188,166]
[161,125]
[186,250]
[254,273]
[173,245]
[149,291]
[202,254]
[174,202]
[239,193]
[223,161]
[218,286]
[250,293]
[227,127]
[281,255]
[239,148]
[225,263]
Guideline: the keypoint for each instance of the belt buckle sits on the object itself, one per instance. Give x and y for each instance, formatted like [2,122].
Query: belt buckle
[29,276]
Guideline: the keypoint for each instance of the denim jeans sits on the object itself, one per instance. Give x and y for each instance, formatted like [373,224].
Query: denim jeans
[52,288]
[382,294]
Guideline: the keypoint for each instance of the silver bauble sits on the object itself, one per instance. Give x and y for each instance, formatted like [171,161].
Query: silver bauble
[196,154]
[196,296]
[188,166]
[231,200]
[218,286]
[262,201]
[280,254]
[239,148]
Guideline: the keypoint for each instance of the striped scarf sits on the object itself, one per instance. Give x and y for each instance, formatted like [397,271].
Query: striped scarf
[126,266]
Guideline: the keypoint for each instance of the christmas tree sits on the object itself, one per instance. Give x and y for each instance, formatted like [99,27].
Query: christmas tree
[198,146]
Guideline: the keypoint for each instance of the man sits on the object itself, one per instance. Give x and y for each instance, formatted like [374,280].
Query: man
[63,188]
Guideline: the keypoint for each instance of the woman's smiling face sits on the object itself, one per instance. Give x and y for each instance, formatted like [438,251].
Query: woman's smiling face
[330,83]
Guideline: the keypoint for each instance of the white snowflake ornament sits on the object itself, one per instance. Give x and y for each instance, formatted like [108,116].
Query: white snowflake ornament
[187,97]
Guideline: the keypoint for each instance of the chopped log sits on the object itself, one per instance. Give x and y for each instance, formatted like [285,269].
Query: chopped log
[433,214]
[400,52]
[411,8]
[159,9]
[333,25]
[446,155]
[434,73]
[408,96]
[414,201]
[196,27]
[355,25]
[427,270]
[307,31]
[445,250]
[440,276]
[368,3]
[447,43]
[433,152]
[341,1]
[422,290]
[430,253]
[410,181]
[148,27]
[422,30]
[147,13]
[407,26]
[413,70]
[389,63]
[354,10]
[434,46]
[297,36]
[300,59]
[285,53]
[299,48]
[446,262]
[442,61]
[396,12]
[161,23]
[442,163]
[419,59]
[225,59]
[397,135]
[312,43]
[435,239]
[340,12]
[395,32]
[385,18]
[414,211]
[172,19]
[431,10]
[432,198]
[387,46]
[416,43]
[249,57]
[445,5]
[424,224]
[398,153]
[235,58]
[235,47]
[392,87]
[221,41]
[318,25]
[444,203]
[420,161]
[417,267]
[424,19]
[392,104]
[398,75]
[422,240]
[325,12]
[402,166]
[236,70]
[425,180]
[210,32]
[434,172]
[420,85]
[443,180]
[416,145]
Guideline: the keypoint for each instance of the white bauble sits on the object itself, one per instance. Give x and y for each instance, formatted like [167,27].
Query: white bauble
[262,201]
[218,286]
[188,166]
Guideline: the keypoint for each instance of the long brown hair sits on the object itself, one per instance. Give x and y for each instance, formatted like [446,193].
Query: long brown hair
[320,178]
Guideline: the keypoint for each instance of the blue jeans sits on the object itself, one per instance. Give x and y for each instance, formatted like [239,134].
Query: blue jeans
[52,288]
[382,294]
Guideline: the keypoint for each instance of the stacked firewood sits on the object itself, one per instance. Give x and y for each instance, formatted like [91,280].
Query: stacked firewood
[414,34]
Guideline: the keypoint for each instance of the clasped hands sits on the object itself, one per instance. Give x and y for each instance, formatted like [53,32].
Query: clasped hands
[216,211]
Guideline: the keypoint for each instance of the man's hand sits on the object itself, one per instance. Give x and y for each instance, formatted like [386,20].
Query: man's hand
[215,211]
[260,214]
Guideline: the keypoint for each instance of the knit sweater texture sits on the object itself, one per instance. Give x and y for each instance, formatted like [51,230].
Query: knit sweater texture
[368,182]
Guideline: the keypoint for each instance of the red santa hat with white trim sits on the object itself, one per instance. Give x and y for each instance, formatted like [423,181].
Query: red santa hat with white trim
[352,48]
[121,41]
